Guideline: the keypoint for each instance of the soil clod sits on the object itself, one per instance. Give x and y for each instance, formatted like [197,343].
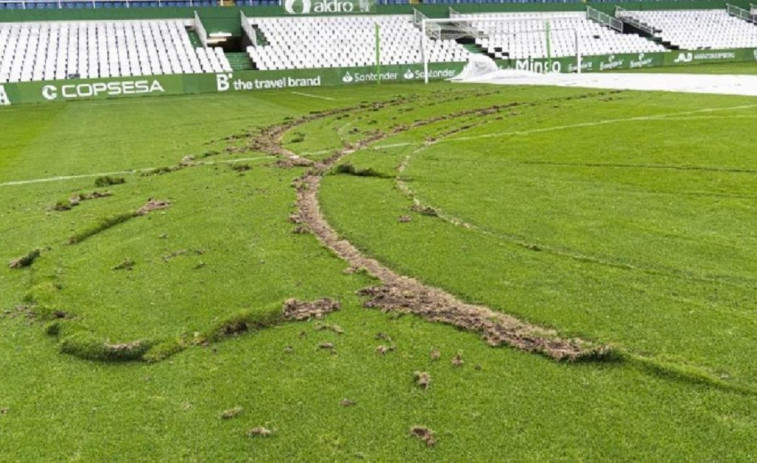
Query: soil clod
[259,431]
[231,413]
[457,360]
[435,355]
[422,379]
[347,403]
[423,433]
[153,205]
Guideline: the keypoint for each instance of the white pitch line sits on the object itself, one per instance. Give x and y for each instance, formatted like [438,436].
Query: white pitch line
[315,96]
[571,126]
[122,172]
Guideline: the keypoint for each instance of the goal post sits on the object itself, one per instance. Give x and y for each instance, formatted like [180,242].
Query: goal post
[458,27]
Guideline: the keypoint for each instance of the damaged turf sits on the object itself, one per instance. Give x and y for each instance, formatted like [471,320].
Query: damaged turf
[423,433]
[303,310]
[406,295]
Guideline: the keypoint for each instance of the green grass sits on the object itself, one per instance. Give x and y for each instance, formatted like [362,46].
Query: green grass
[654,260]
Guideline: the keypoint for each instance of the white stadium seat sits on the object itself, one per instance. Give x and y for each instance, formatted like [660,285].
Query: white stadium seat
[699,29]
[345,41]
[523,35]
[102,49]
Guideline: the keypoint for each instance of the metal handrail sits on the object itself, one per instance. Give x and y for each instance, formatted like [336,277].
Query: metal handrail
[604,19]
[628,18]
[739,12]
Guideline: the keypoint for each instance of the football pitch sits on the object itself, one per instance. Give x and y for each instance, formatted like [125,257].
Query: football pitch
[532,274]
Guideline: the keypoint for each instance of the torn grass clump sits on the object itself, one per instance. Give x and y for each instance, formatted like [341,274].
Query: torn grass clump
[107,180]
[163,350]
[99,227]
[348,169]
[305,310]
[242,322]
[423,433]
[86,346]
[26,260]
[231,413]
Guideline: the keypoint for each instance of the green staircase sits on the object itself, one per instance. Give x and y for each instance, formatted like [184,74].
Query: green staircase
[239,61]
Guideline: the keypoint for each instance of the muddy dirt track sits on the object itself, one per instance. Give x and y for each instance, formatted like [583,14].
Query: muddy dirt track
[398,293]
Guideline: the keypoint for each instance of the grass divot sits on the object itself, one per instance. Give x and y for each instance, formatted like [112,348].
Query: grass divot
[26,260]
[107,180]
[300,310]
[101,226]
[425,434]
[109,222]
[259,431]
[231,413]
[348,169]
[87,346]
[422,379]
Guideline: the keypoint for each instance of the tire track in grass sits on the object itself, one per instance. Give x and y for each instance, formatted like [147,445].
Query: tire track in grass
[404,294]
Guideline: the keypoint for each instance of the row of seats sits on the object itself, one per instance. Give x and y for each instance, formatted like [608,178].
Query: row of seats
[699,29]
[102,49]
[524,35]
[88,5]
[345,41]
[83,4]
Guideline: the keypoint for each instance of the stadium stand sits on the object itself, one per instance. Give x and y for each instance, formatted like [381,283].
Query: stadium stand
[95,49]
[342,41]
[698,29]
[94,4]
[523,35]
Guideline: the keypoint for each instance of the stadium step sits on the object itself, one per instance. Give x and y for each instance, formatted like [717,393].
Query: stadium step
[239,61]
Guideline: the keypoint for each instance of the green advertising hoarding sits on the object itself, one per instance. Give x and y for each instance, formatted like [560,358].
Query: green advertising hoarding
[72,90]
[245,81]
[628,61]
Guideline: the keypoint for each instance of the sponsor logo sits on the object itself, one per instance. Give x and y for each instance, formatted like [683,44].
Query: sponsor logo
[688,57]
[684,58]
[291,6]
[327,6]
[540,67]
[4,100]
[409,74]
[95,89]
[611,63]
[226,82]
[586,65]
[723,55]
[642,62]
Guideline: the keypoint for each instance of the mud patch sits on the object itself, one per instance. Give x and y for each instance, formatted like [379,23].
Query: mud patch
[153,205]
[304,310]
[497,329]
